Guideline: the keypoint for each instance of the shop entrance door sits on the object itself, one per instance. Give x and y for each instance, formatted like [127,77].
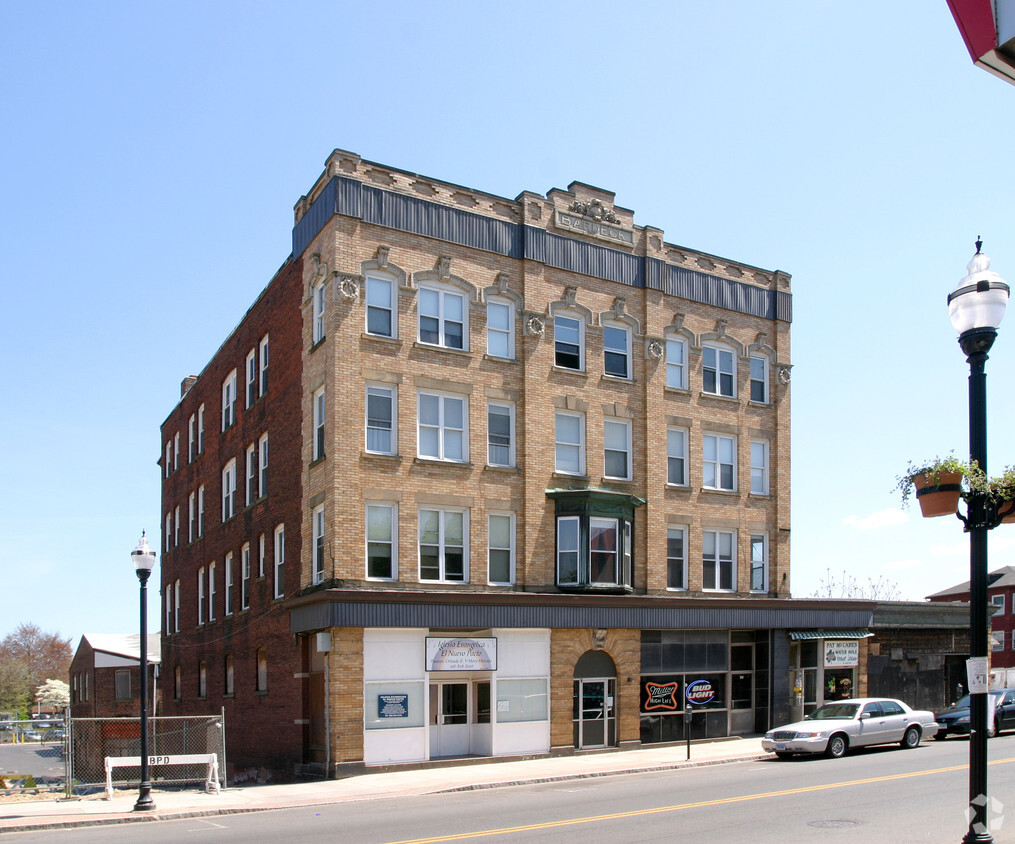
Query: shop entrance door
[594,712]
[449,719]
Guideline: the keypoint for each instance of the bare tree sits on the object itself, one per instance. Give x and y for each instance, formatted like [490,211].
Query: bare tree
[28,657]
[847,586]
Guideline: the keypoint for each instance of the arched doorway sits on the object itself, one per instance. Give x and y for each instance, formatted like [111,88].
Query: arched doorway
[594,711]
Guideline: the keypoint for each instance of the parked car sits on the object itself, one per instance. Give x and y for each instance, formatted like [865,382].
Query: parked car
[31,735]
[856,722]
[955,719]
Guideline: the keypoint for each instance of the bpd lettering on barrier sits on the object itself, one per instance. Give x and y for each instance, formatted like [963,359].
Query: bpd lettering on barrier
[159,760]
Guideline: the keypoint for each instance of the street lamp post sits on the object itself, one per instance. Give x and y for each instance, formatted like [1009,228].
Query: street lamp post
[144,561]
[976,308]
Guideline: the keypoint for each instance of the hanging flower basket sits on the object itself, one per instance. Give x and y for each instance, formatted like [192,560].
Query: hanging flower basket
[938,493]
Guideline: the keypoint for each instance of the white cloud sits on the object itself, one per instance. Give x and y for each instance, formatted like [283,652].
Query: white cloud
[881,519]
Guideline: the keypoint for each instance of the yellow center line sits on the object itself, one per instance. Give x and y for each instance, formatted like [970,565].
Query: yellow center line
[684,806]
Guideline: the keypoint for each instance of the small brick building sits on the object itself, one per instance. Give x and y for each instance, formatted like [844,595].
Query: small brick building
[105,675]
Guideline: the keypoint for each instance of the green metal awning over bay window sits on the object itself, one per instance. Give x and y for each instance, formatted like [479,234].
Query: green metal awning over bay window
[797,635]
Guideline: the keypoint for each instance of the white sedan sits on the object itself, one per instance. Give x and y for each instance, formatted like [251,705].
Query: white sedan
[857,722]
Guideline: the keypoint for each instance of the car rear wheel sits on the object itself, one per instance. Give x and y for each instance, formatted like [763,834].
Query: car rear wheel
[941,735]
[783,754]
[911,738]
[837,746]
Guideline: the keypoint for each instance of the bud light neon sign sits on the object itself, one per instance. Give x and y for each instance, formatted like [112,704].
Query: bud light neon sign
[700,692]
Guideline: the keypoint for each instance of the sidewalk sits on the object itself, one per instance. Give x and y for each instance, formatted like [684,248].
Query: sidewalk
[95,809]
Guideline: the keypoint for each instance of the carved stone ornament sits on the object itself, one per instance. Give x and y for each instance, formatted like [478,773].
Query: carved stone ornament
[382,256]
[570,296]
[443,267]
[594,209]
[348,289]
[784,374]
[598,639]
[655,349]
[535,325]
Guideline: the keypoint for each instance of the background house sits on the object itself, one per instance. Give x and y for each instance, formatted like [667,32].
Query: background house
[105,675]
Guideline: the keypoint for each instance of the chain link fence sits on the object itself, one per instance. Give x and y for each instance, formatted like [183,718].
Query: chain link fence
[91,740]
[32,755]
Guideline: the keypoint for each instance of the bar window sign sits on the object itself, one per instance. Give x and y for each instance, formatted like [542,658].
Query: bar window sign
[842,653]
[455,653]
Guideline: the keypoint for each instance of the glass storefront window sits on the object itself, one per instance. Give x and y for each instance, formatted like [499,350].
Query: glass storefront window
[390,706]
[521,700]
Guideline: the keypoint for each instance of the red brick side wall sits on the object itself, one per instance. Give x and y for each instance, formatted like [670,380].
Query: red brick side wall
[263,728]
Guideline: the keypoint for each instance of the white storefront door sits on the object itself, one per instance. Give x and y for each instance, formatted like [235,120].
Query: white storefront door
[450,731]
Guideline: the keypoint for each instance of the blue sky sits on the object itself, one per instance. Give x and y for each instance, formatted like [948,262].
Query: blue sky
[152,155]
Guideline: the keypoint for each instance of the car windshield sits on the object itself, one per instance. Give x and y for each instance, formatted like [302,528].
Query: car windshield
[835,710]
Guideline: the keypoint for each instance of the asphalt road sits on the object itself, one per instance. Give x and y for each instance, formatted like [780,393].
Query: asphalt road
[877,795]
[42,760]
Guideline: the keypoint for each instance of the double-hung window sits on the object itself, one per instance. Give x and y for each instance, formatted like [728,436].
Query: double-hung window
[382,541]
[251,474]
[262,384]
[212,580]
[251,377]
[501,548]
[318,547]
[617,449]
[200,595]
[759,467]
[617,351]
[262,466]
[319,417]
[280,561]
[443,427]
[380,402]
[200,430]
[229,401]
[719,462]
[191,437]
[718,371]
[676,364]
[442,318]
[759,562]
[500,425]
[176,451]
[568,343]
[718,560]
[200,510]
[176,526]
[676,557]
[500,329]
[245,577]
[759,379]
[229,490]
[169,531]
[443,545]
[320,298]
[380,306]
[176,606]
[192,517]
[569,443]
[228,583]
[676,456]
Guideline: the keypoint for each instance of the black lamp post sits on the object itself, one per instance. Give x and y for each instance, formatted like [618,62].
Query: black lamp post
[144,561]
[976,308]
